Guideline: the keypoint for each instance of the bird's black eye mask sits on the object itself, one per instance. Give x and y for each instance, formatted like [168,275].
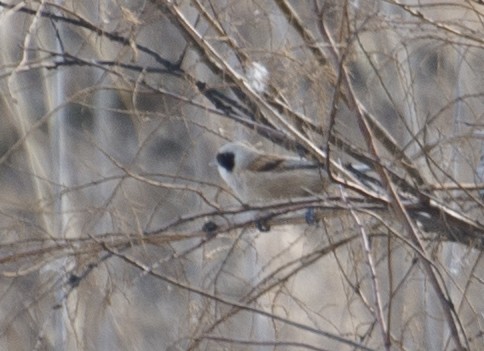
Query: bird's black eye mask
[226,160]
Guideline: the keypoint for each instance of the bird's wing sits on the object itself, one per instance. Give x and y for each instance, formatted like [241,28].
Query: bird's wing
[271,163]
[265,163]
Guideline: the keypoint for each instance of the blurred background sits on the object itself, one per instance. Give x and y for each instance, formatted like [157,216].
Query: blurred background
[112,112]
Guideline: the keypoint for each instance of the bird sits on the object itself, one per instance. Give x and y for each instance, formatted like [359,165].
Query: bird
[256,176]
